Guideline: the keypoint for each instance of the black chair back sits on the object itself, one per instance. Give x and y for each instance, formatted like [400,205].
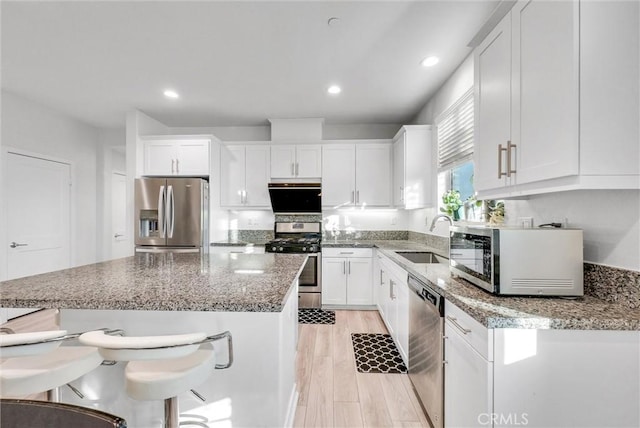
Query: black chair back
[45,414]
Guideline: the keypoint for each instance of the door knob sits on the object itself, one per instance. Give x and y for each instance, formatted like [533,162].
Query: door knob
[15,244]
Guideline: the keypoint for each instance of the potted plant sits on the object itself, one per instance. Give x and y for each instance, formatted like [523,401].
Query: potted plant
[452,203]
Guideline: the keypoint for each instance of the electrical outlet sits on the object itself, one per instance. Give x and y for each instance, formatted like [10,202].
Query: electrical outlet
[525,222]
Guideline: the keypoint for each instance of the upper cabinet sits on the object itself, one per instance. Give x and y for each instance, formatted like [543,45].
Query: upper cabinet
[179,156]
[296,161]
[413,167]
[550,111]
[244,176]
[356,174]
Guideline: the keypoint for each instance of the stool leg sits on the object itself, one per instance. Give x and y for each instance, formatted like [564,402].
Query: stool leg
[53,395]
[171,414]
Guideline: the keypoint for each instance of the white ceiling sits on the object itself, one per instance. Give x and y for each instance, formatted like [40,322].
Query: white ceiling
[234,63]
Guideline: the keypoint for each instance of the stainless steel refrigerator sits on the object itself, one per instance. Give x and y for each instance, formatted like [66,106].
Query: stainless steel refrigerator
[171,214]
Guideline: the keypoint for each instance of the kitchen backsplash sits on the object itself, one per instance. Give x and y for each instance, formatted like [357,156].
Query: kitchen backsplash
[365,235]
[612,284]
[254,236]
[435,241]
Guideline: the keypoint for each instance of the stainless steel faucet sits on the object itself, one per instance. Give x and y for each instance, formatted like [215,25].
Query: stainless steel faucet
[438,217]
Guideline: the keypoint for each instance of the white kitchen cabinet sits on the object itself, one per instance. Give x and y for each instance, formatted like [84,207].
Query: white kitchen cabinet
[296,161]
[393,302]
[468,370]
[413,167]
[356,174]
[347,276]
[179,156]
[552,119]
[244,176]
[527,96]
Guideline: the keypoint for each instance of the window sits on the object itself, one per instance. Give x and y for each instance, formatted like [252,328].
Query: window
[454,130]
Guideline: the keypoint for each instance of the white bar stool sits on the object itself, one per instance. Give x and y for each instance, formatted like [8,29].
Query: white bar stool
[162,367]
[35,362]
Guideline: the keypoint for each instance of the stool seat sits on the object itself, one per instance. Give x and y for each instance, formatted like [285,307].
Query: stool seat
[32,343]
[32,374]
[162,379]
[119,348]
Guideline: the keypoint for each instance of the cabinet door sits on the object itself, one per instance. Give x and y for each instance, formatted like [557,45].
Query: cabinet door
[257,176]
[309,161]
[359,273]
[492,106]
[402,319]
[468,397]
[373,175]
[334,281]
[381,282]
[283,159]
[545,89]
[159,158]
[192,157]
[338,178]
[398,171]
[232,174]
[419,167]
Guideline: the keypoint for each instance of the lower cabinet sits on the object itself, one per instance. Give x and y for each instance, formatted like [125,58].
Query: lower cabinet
[347,276]
[393,301]
[468,375]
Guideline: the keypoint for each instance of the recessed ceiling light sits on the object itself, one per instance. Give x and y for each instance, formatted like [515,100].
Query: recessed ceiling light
[430,61]
[171,94]
[334,89]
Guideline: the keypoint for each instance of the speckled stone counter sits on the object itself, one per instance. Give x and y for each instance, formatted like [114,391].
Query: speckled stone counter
[163,282]
[238,243]
[585,313]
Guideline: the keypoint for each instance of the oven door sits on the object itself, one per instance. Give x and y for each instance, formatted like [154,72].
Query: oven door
[310,283]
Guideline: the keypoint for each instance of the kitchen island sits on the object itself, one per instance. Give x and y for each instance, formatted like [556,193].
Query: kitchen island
[251,295]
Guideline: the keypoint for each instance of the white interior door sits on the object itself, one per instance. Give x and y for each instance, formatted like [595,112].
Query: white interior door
[38,216]
[120,242]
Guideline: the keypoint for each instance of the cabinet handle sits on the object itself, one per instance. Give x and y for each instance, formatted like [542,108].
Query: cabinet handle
[344,268]
[357,196]
[177,166]
[509,147]
[297,169]
[346,252]
[392,293]
[293,169]
[349,265]
[401,194]
[458,326]
[500,150]
[172,166]
[381,281]
[353,197]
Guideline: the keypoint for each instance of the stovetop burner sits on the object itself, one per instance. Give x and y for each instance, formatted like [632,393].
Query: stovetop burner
[295,238]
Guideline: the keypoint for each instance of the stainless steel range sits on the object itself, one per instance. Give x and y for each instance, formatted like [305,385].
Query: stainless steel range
[296,238]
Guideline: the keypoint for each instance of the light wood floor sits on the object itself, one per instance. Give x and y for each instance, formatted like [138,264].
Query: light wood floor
[334,394]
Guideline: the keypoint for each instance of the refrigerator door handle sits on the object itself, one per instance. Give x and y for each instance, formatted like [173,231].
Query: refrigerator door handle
[171,210]
[161,212]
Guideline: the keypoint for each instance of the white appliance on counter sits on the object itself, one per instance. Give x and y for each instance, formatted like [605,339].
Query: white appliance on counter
[519,261]
[171,214]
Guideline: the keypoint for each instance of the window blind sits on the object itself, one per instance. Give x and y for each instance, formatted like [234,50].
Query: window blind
[454,130]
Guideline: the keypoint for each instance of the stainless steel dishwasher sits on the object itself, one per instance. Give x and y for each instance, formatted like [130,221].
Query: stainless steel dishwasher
[426,324]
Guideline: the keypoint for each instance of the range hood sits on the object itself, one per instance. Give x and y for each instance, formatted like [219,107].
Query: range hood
[296,198]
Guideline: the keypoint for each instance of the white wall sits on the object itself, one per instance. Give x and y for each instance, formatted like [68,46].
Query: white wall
[35,128]
[610,220]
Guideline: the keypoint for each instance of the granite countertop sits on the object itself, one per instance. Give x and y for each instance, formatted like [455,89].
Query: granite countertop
[163,282]
[238,243]
[585,313]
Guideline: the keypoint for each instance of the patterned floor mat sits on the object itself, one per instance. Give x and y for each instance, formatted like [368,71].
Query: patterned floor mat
[316,316]
[376,353]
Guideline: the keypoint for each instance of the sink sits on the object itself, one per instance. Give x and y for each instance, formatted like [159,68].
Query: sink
[422,257]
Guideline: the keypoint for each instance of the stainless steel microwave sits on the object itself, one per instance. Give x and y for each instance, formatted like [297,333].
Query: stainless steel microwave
[517,261]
